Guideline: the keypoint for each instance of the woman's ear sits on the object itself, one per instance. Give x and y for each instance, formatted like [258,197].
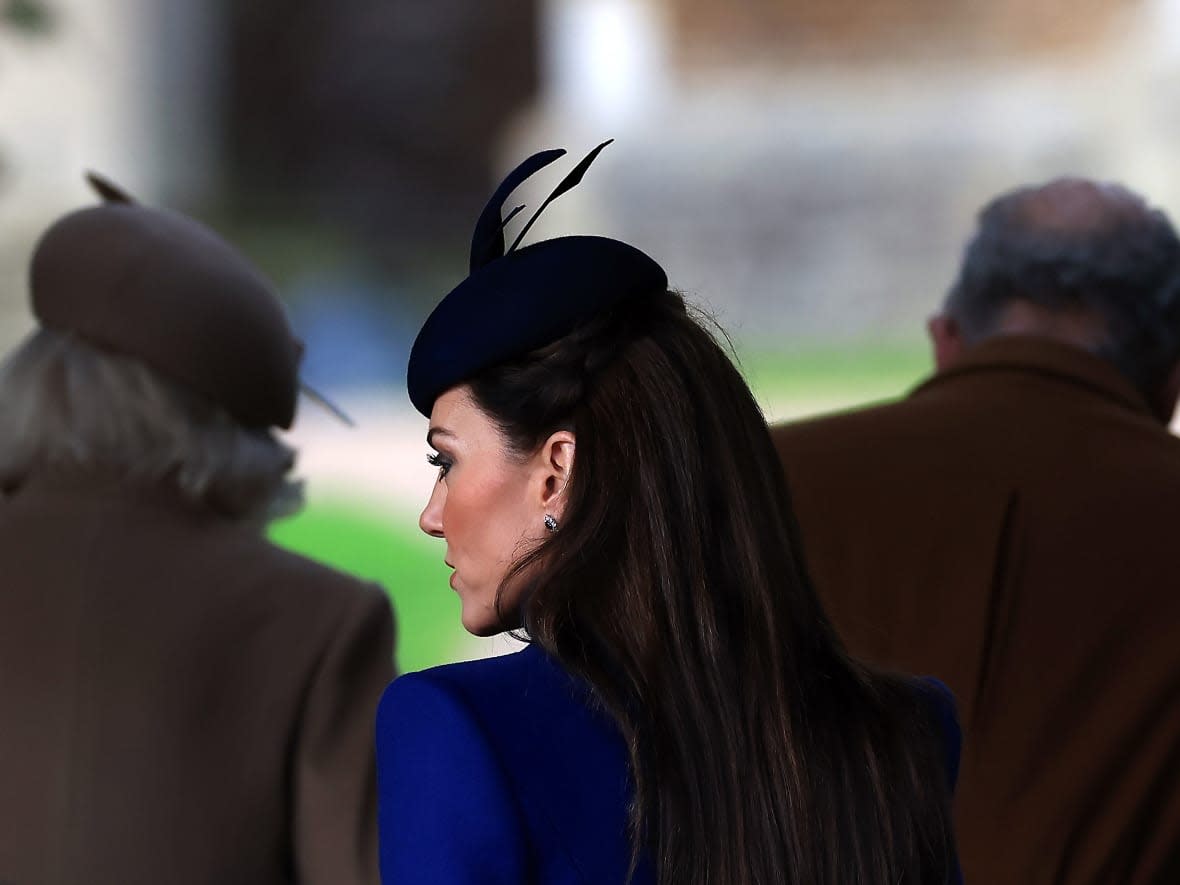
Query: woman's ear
[555,464]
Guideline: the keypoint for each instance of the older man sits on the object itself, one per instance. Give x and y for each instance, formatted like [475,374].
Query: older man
[1013,526]
[180,701]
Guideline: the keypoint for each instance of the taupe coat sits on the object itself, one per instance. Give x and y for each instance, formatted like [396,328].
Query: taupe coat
[1013,527]
[181,703]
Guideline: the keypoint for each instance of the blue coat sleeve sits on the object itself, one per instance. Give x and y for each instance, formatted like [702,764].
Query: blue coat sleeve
[942,702]
[446,810]
[947,717]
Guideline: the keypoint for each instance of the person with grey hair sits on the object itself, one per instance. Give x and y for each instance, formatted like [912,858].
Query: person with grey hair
[1085,263]
[1010,527]
[68,406]
[181,700]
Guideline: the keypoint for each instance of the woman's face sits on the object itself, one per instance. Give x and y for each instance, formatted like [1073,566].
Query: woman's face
[488,504]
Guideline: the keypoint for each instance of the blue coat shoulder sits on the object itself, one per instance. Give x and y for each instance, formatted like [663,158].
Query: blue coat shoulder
[946,719]
[505,771]
[945,716]
[501,771]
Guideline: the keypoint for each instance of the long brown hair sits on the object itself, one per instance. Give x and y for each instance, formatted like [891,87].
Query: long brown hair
[760,752]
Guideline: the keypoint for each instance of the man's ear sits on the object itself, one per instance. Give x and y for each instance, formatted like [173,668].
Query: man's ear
[555,464]
[946,340]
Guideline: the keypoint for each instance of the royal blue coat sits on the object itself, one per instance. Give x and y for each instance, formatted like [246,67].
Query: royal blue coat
[501,772]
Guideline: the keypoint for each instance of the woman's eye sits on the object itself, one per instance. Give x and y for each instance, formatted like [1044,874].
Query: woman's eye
[443,464]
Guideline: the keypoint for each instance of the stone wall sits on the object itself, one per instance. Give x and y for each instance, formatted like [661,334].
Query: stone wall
[813,30]
[828,198]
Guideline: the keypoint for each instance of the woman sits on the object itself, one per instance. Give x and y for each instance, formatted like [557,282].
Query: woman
[183,701]
[684,713]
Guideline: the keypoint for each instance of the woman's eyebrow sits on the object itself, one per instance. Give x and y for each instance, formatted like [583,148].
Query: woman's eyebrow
[437,431]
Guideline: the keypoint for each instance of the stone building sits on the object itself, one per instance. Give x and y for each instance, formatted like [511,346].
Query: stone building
[811,167]
[807,167]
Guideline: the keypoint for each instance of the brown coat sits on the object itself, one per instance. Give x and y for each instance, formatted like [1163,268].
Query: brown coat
[180,701]
[1013,527]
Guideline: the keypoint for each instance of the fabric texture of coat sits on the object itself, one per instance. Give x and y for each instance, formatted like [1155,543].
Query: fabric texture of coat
[181,702]
[1013,527]
[503,772]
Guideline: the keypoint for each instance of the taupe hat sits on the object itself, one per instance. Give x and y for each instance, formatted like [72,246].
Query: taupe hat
[157,286]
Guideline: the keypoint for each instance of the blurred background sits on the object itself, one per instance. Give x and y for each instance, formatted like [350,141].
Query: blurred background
[807,170]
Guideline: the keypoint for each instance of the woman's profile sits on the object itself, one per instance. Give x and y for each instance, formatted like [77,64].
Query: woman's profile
[684,712]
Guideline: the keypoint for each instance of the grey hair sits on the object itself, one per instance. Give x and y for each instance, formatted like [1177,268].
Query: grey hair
[68,406]
[1076,245]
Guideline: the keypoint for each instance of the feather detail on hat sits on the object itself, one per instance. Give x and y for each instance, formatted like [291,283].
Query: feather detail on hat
[487,241]
[567,184]
[107,189]
[515,301]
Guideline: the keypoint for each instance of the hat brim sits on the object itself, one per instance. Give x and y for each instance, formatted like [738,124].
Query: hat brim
[523,301]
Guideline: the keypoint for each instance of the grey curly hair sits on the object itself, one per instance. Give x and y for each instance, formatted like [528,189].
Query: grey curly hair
[1074,244]
[67,405]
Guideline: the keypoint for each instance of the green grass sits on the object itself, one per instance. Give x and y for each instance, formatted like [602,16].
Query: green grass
[379,543]
[359,538]
[836,375]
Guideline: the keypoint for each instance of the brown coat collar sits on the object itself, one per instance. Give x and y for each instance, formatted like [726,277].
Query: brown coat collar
[1046,357]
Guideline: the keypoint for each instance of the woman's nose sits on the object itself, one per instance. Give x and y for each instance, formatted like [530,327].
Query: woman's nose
[431,519]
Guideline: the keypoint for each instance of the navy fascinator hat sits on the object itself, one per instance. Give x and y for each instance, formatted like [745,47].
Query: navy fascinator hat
[520,299]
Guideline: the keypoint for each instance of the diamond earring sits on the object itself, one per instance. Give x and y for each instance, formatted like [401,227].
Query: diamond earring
[550,522]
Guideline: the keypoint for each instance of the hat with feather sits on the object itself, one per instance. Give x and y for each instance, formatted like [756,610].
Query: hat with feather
[161,288]
[518,299]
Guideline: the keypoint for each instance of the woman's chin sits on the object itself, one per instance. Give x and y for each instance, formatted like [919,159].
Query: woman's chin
[484,622]
[480,622]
